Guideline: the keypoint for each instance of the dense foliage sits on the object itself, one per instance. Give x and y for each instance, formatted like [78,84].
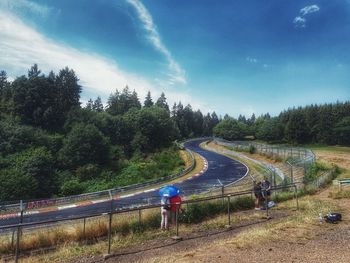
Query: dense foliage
[51,145]
[324,124]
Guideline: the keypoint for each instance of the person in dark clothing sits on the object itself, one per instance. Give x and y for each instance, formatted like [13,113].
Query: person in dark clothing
[265,190]
[258,195]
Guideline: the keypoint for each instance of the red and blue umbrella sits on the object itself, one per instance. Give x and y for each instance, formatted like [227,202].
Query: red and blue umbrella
[169,190]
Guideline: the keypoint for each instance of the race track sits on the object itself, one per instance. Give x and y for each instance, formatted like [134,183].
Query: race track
[220,168]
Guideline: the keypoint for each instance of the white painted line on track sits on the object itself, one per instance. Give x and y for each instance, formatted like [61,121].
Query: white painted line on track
[67,206]
[129,195]
[149,190]
[99,201]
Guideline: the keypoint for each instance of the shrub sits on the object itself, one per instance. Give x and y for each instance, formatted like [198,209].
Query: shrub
[252,149]
[71,187]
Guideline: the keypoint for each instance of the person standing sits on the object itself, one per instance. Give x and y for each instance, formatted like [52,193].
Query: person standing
[175,205]
[266,190]
[258,194]
[164,211]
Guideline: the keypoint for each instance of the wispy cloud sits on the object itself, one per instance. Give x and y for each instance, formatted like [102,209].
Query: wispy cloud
[26,6]
[177,74]
[300,21]
[309,9]
[21,46]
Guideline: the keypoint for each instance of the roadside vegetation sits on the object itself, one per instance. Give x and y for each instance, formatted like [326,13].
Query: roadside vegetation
[51,145]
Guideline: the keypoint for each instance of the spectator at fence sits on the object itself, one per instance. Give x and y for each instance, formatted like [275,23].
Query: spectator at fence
[164,211]
[265,190]
[175,205]
[258,194]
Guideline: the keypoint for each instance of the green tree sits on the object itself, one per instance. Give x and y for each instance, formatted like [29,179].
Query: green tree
[296,129]
[68,90]
[270,130]
[162,103]
[97,105]
[148,100]
[229,129]
[342,131]
[84,144]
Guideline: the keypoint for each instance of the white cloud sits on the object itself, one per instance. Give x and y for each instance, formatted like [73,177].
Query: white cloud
[177,74]
[309,9]
[21,46]
[25,5]
[300,21]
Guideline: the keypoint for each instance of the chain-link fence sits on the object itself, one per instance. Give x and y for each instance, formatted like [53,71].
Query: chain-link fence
[295,160]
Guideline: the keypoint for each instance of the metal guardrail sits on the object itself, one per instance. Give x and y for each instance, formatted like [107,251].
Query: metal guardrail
[21,226]
[343,182]
[34,204]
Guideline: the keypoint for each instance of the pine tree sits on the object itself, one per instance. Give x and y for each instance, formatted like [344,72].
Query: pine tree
[97,105]
[148,100]
[162,103]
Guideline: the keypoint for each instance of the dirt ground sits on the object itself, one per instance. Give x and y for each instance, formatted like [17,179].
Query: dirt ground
[323,243]
[329,243]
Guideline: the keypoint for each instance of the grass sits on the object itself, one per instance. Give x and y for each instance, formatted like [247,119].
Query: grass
[300,225]
[327,148]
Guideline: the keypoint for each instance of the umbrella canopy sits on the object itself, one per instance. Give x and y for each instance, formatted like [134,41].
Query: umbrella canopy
[169,190]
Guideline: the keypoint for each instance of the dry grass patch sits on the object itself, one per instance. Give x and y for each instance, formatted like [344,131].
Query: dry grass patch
[297,228]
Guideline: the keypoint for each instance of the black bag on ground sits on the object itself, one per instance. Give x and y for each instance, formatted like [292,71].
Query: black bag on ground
[333,218]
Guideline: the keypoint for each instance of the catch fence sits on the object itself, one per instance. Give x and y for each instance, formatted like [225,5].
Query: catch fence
[297,160]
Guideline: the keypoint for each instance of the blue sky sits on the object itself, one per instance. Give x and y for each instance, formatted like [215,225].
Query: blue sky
[235,57]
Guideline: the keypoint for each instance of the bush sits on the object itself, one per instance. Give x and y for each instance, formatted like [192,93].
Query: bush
[71,187]
[87,171]
[314,171]
[252,149]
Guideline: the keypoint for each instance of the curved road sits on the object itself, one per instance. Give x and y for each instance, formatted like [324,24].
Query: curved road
[219,168]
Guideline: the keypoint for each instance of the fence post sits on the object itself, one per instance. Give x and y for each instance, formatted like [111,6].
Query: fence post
[19,231]
[139,217]
[110,223]
[13,239]
[296,196]
[291,172]
[17,243]
[84,227]
[228,211]
[267,205]
[177,237]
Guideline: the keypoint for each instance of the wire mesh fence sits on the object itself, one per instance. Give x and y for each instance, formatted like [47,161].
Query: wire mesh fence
[296,160]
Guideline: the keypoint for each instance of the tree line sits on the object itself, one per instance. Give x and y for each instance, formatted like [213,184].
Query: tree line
[52,145]
[322,124]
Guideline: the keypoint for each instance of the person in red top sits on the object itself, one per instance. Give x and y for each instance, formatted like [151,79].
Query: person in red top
[175,204]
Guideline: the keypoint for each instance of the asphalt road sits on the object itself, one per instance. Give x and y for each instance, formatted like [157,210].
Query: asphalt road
[219,168]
